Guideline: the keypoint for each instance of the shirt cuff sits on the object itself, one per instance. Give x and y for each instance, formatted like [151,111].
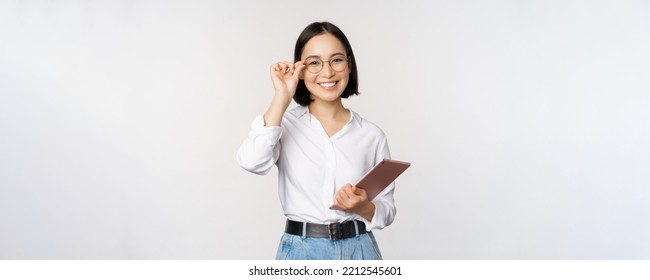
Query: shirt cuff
[378,219]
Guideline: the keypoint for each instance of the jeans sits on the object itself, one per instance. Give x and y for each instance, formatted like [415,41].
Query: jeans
[360,247]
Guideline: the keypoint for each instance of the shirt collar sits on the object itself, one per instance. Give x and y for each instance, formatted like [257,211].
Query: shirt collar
[302,112]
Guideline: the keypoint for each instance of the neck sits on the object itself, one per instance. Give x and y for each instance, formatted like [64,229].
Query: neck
[327,110]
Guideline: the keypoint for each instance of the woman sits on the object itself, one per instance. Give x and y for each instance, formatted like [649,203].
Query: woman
[320,148]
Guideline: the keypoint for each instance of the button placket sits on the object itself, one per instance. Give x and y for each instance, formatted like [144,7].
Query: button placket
[329,181]
[329,184]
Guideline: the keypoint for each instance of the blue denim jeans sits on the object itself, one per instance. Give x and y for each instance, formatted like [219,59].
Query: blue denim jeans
[360,247]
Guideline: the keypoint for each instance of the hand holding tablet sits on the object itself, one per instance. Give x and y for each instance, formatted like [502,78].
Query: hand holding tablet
[379,177]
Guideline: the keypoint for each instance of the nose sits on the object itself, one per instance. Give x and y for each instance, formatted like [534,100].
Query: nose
[327,69]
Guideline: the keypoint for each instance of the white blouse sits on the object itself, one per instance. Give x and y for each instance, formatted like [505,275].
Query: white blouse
[312,166]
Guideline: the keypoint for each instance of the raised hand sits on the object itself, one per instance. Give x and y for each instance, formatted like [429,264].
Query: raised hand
[285,76]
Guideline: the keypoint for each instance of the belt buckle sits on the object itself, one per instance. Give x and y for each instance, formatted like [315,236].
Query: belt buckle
[335,231]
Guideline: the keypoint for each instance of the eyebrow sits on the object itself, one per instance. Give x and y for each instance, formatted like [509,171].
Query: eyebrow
[334,54]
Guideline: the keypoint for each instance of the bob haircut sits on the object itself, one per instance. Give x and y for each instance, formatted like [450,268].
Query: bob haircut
[303,96]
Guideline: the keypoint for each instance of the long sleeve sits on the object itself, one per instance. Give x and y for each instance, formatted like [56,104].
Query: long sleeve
[385,209]
[261,149]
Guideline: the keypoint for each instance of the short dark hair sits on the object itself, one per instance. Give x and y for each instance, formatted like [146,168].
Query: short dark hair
[302,96]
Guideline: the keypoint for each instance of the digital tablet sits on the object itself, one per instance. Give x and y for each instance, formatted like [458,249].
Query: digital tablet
[380,176]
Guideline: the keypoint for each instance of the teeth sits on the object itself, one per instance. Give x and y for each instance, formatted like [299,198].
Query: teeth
[328,84]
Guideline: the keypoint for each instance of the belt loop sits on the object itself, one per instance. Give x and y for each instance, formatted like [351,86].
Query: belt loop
[356,228]
[304,229]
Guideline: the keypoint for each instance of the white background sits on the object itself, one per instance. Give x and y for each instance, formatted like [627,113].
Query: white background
[527,124]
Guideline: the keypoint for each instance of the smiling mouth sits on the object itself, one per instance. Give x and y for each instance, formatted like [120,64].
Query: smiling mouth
[328,85]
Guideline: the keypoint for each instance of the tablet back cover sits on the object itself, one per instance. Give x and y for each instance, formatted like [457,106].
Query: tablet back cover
[381,175]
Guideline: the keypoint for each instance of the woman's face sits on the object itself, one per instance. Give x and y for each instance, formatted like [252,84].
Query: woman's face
[327,84]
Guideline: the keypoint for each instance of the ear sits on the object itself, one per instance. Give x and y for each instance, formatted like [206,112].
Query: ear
[301,75]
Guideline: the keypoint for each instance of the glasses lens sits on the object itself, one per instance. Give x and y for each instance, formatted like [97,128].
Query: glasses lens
[338,63]
[314,65]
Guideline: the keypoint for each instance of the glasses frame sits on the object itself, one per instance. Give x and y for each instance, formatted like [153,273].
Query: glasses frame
[347,64]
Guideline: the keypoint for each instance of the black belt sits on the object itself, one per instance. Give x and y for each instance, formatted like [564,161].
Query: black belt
[333,231]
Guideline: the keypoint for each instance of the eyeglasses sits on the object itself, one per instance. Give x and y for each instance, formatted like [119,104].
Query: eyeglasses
[337,62]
